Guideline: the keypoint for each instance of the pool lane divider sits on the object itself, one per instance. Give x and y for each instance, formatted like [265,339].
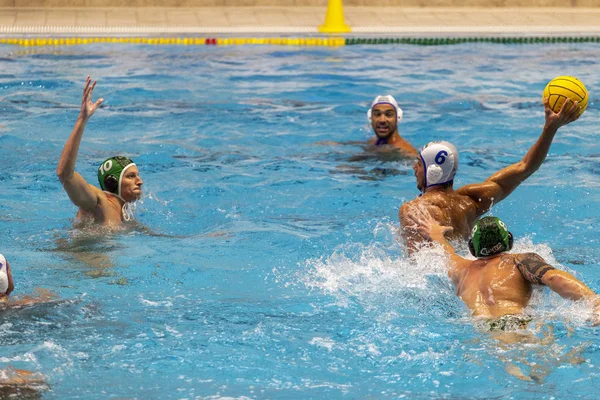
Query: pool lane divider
[282,41]
[440,41]
[182,41]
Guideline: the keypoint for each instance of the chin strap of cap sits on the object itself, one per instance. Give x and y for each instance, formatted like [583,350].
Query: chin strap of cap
[129,208]
[128,211]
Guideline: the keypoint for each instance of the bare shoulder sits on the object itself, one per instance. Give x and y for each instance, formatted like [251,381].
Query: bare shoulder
[482,195]
[105,201]
[476,190]
[406,148]
[404,211]
[96,190]
[420,204]
[446,206]
[101,195]
[408,205]
[526,258]
[531,265]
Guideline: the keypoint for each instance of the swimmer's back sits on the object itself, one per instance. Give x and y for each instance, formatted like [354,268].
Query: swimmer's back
[448,209]
[452,209]
[493,287]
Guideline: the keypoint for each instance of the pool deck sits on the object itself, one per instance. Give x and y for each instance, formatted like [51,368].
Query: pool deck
[571,21]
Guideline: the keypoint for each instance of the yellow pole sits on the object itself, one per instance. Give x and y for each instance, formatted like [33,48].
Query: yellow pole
[334,20]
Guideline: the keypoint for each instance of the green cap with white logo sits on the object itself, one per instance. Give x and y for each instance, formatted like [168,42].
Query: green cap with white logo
[111,172]
[489,236]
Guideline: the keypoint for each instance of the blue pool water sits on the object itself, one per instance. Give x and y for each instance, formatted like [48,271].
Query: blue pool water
[274,270]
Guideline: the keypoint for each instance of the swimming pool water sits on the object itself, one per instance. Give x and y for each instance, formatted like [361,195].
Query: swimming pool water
[273,268]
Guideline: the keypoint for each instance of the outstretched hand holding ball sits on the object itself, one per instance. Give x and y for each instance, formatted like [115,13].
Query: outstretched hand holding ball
[563,87]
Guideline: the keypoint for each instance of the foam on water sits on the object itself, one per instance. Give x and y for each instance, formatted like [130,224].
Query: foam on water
[371,275]
[391,287]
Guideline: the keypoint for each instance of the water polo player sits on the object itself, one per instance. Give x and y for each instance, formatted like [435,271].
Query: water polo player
[497,286]
[435,169]
[118,176]
[385,116]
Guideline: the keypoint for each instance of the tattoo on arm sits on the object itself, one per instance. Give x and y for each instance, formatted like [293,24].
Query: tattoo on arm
[532,266]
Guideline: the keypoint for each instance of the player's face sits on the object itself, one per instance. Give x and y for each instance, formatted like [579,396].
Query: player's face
[419,174]
[384,120]
[131,185]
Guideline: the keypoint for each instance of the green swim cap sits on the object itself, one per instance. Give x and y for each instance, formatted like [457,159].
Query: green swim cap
[489,236]
[111,171]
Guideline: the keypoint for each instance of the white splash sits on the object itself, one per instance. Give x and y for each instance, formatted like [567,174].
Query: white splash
[165,303]
[326,343]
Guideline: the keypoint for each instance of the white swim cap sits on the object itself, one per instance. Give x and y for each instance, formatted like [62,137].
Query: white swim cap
[3,274]
[440,162]
[386,99]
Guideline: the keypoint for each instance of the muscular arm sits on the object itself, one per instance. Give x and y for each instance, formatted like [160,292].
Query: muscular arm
[535,269]
[80,192]
[498,186]
[436,233]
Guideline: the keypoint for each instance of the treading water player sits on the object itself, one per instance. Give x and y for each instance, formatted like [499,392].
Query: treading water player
[385,116]
[118,176]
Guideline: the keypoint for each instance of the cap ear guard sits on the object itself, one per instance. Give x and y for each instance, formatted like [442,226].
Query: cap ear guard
[111,184]
[472,248]
[111,171]
[434,173]
[510,241]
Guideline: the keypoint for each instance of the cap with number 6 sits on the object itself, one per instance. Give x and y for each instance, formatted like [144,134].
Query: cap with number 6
[440,162]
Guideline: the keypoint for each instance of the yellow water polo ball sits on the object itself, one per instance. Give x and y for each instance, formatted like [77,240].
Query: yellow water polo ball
[561,87]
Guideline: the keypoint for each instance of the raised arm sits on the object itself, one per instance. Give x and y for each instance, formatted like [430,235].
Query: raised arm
[80,192]
[536,270]
[498,186]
